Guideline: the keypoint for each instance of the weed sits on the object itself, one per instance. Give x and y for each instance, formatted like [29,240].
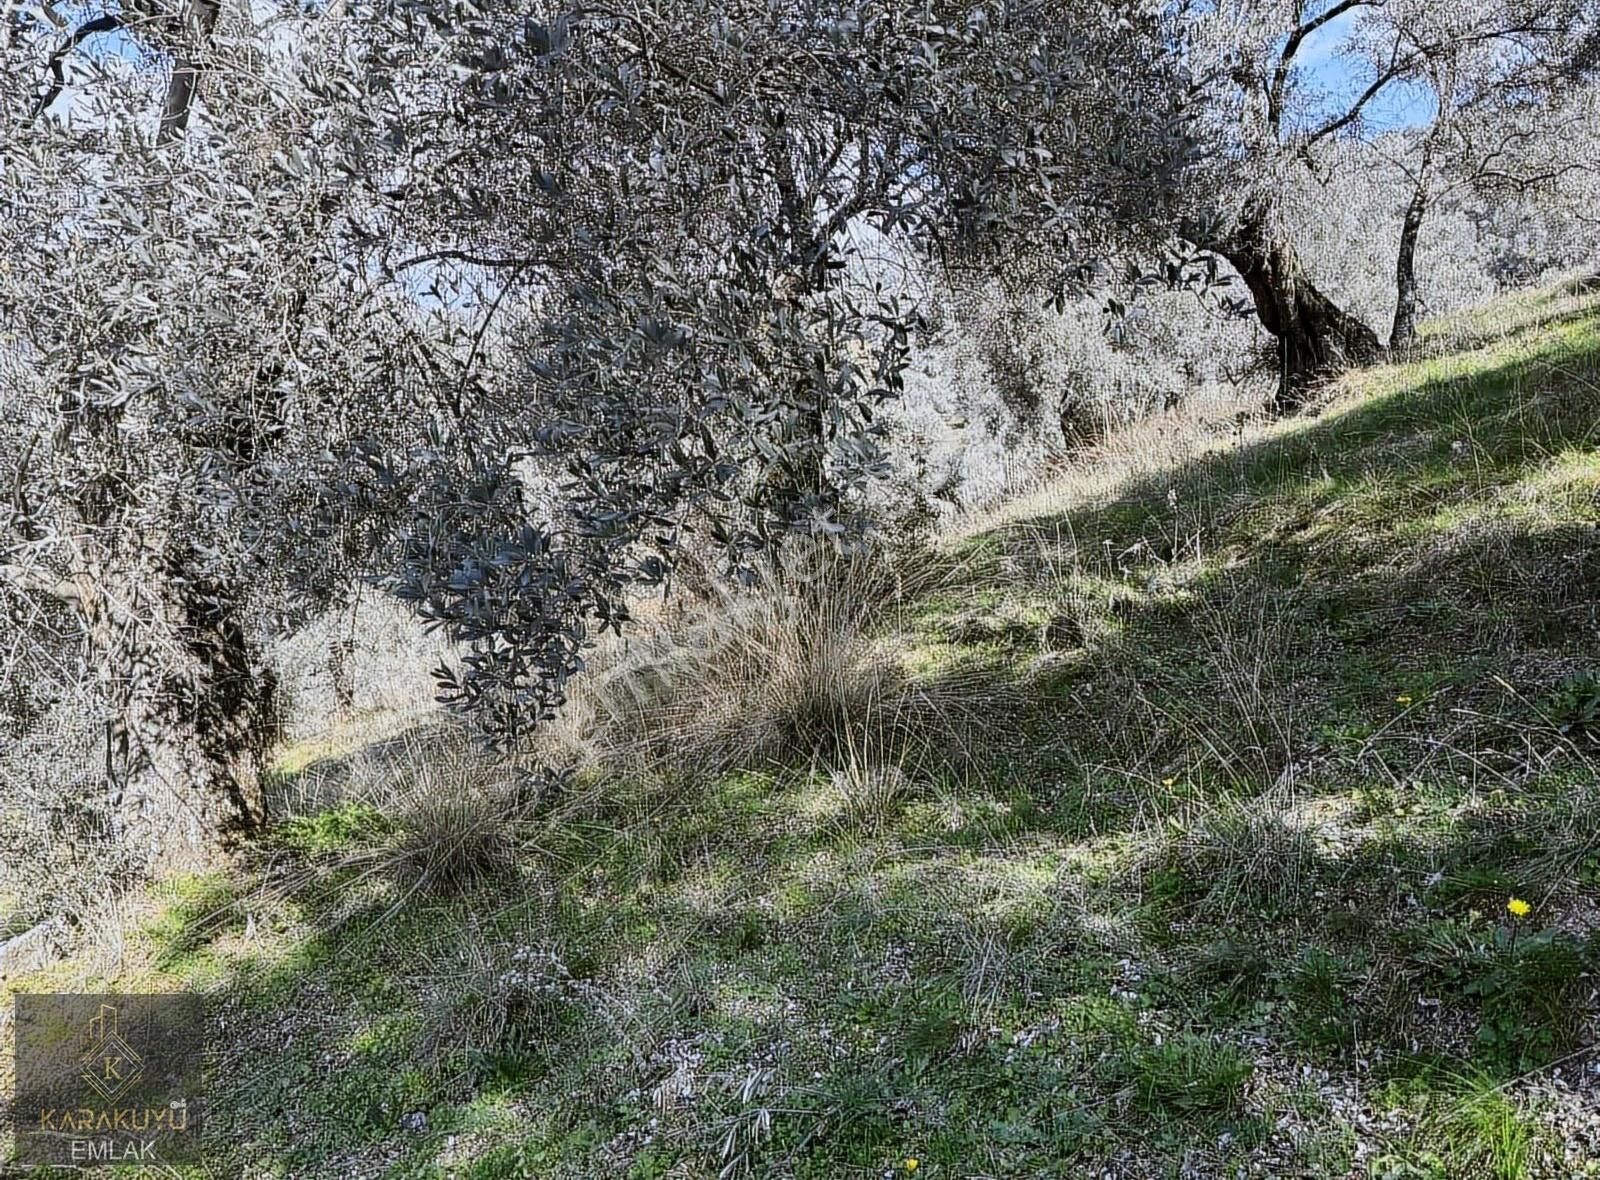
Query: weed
[1531,989]
[491,1002]
[1319,991]
[1463,1126]
[1189,1076]
[1574,707]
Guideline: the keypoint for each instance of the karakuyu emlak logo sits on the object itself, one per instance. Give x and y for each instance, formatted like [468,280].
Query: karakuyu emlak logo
[112,1067]
[108,1079]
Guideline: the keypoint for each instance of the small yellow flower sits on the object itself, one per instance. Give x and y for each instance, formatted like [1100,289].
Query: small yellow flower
[912,1164]
[1167,782]
[1518,907]
[1402,699]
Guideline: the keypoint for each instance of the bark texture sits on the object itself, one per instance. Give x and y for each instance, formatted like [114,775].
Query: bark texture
[194,714]
[1316,338]
[200,20]
[1404,330]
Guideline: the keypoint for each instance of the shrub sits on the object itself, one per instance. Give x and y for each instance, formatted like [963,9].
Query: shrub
[1005,388]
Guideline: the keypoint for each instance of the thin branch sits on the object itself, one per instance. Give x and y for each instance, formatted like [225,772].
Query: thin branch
[1397,67]
[477,340]
[1280,76]
[1522,183]
[21,510]
[464,256]
[58,80]
[1400,65]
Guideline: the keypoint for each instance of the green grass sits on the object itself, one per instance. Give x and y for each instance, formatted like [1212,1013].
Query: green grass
[1250,818]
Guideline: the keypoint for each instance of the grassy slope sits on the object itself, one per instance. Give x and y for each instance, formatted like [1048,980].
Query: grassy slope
[1218,884]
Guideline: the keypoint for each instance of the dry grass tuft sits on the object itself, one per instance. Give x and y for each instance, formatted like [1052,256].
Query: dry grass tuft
[746,678]
[1220,419]
[1255,854]
[456,812]
[492,999]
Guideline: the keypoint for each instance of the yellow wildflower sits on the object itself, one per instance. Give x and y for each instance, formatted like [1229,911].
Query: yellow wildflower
[912,1164]
[1402,699]
[1518,907]
[1167,782]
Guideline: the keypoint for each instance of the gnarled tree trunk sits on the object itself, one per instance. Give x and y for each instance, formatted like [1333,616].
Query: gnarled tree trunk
[1315,336]
[193,712]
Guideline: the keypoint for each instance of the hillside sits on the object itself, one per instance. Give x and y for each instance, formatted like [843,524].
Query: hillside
[1163,823]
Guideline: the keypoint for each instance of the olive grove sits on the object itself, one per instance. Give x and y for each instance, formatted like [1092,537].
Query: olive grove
[493,306]
[503,308]
[1269,120]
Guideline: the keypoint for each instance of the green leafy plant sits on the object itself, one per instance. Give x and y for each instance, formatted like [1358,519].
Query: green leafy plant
[1191,1076]
[1317,991]
[1574,707]
[1529,987]
[335,829]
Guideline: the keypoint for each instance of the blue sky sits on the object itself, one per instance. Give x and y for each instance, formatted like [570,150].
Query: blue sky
[1399,105]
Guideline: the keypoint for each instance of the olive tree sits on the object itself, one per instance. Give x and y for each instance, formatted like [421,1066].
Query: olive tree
[181,335]
[1506,117]
[669,196]
[1269,117]
[501,305]
[1263,113]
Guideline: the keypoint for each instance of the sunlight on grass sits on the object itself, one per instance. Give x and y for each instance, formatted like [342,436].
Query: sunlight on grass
[1193,850]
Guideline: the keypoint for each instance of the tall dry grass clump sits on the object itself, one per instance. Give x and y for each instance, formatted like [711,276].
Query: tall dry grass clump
[453,813]
[796,669]
[745,676]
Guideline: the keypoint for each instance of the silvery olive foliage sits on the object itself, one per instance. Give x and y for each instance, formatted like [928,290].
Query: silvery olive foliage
[669,201]
[1528,178]
[499,306]
[1345,217]
[1497,76]
[1270,118]
[182,341]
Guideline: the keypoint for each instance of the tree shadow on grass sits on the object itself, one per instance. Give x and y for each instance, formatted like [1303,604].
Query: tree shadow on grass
[342,774]
[704,926]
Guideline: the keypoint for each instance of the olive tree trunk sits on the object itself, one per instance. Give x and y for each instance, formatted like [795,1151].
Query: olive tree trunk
[192,710]
[1404,331]
[1316,338]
